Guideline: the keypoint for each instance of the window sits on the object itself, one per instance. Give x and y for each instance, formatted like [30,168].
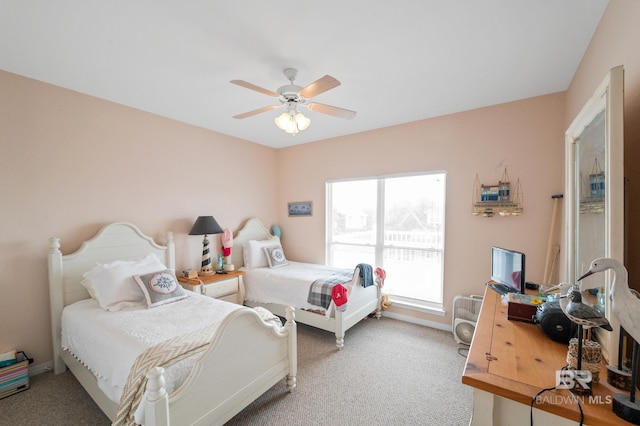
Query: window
[395,222]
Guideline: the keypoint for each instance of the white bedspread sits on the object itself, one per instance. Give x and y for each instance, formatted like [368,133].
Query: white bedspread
[286,285]
[108,342]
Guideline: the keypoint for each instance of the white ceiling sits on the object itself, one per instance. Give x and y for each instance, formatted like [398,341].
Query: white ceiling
[398,61]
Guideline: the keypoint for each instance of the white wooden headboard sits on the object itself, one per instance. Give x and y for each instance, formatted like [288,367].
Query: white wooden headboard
[117,241]
[253,229]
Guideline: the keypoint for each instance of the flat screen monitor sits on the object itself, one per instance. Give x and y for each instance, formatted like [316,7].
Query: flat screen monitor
[507,267]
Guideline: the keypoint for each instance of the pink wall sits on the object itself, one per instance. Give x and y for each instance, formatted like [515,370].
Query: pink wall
[71,163]
[526,135]
[617,42]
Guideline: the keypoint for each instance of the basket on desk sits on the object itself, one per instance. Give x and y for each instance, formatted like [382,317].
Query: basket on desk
[591,357]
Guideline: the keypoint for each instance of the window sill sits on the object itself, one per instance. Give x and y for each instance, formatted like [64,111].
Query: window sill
[418,307]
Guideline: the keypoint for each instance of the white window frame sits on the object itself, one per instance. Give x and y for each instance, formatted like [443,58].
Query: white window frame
[379,247]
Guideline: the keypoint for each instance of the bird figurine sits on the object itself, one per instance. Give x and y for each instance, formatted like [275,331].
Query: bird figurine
[570,301]
[585,315]
[564,289]
[624,303]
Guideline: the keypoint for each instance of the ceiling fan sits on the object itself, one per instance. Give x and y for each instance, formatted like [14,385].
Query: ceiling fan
[293,96]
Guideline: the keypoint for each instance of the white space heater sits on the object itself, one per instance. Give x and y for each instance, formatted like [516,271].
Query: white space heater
[466,310]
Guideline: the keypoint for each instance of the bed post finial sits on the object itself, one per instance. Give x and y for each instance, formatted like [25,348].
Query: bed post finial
[171,251]
[54,245]
[157,408]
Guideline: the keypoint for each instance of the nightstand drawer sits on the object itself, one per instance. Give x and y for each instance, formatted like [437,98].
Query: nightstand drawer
[221,288]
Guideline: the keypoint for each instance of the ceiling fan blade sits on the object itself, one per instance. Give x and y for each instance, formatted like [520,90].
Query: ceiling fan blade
[331,110]
[256,111]
[319,86]
[251,86]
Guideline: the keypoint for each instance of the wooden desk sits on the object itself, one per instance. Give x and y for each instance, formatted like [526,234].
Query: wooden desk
[509,362]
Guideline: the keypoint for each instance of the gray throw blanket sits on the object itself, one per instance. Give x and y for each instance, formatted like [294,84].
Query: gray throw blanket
[366,274]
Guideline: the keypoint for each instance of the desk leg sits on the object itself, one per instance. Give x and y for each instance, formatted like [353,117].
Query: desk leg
[494,410]
[482,408]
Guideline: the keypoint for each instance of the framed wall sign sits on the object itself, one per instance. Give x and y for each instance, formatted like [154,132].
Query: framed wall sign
[301,208]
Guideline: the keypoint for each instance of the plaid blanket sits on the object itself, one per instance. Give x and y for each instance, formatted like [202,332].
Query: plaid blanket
[320,289]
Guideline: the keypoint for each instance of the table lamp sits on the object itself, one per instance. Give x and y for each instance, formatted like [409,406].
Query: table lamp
[206,225]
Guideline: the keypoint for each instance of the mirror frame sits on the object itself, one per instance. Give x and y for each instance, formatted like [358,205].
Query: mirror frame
[609,96]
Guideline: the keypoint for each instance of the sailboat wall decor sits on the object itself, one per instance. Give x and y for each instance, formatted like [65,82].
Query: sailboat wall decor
[502,198]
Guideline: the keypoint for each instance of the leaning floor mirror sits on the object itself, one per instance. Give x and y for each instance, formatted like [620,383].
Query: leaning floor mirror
[594,186]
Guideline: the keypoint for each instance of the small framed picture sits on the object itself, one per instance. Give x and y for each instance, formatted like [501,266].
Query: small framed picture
[302,208]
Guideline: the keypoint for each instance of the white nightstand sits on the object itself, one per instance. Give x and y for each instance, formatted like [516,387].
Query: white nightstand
[229,286]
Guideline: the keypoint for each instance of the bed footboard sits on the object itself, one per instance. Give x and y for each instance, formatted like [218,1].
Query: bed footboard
[229,376]
[362,302]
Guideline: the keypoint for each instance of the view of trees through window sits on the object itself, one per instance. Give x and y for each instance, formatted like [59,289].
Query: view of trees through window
[395,222]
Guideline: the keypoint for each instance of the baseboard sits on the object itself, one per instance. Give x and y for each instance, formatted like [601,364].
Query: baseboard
[40,368]
[414,320]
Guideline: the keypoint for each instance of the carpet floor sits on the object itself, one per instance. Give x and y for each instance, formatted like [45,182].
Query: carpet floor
[389,372]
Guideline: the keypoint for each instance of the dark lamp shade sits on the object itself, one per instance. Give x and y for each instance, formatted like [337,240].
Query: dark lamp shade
[206,225]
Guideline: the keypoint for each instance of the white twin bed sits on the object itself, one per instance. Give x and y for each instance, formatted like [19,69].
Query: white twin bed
[275,283]
[196,354]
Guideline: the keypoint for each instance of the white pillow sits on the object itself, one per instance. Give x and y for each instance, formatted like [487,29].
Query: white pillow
[86,283]
[160,287]
[254,256]
[113,284]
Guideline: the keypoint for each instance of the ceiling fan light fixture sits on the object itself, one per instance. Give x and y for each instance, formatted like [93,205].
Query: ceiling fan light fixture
[292,122]
[283,121]
[302,121]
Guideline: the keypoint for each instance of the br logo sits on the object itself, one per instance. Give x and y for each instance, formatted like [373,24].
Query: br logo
[567,379]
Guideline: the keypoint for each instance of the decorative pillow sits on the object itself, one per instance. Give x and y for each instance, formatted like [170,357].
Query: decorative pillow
[160,287]
[254,256]
[275,256]
[112,284]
